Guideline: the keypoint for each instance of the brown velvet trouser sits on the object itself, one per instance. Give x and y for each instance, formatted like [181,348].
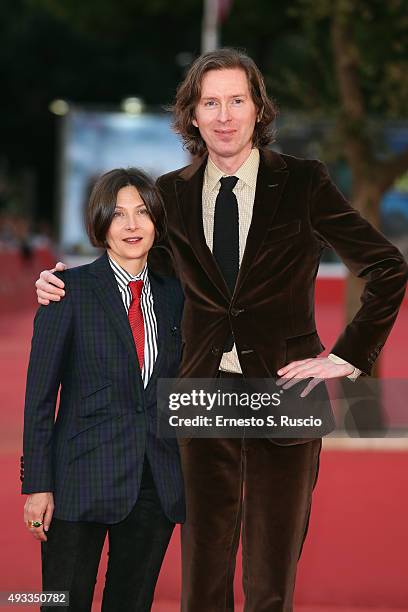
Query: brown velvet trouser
[262,487]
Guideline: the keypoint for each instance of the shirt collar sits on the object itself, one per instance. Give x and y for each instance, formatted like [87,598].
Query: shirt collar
[247,173]
[123,277]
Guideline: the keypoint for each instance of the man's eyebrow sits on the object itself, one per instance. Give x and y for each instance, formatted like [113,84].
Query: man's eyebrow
[238,95]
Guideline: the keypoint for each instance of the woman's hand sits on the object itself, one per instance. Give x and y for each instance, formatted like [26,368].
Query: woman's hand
[39,507]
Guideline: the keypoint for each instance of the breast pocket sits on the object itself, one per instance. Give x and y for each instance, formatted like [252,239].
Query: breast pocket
[283,232]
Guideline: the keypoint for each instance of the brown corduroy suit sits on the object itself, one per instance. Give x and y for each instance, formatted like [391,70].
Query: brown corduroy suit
[265,485]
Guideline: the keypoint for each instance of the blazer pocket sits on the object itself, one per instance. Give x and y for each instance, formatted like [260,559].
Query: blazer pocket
[91,435]
[303,346]
[95,400]
[282,232]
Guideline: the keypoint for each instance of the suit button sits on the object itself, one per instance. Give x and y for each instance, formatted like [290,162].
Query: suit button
[235,312]
[215,350]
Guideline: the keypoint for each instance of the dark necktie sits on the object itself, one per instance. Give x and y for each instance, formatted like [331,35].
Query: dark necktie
[136,321]
[226,237]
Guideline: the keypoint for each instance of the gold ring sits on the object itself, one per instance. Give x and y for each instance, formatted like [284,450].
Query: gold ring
[34,523]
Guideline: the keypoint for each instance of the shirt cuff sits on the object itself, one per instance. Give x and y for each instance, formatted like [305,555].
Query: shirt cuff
[354,374]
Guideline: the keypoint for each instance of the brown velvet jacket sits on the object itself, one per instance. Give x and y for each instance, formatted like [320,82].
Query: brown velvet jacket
[297,212]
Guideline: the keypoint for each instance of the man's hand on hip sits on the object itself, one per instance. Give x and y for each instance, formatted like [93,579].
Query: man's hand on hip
[316,368]
[49,287]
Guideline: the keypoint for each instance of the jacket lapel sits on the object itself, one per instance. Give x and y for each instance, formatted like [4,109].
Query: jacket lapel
[162,318]
[189,187]
[272,177]
[107,290]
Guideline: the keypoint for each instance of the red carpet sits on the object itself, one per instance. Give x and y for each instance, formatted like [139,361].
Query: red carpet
[356,555]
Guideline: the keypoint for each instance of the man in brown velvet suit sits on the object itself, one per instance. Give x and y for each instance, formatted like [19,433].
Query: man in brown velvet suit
[246,229]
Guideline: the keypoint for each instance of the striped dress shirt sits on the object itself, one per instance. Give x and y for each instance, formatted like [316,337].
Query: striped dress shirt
[123,279]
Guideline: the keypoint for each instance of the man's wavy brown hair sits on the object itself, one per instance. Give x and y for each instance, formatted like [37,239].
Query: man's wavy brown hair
[189,93]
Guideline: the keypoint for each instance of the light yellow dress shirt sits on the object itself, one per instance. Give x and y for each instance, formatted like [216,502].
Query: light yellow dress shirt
[245,193]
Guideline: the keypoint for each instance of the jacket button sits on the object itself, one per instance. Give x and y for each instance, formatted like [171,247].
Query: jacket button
[215,350]
[235,312]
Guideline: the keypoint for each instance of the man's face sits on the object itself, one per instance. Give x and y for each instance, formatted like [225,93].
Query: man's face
[226,114]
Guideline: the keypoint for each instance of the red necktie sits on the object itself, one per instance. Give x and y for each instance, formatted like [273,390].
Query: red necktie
[136,321]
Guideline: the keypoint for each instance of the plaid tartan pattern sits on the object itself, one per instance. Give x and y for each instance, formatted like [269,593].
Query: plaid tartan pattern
[92,455]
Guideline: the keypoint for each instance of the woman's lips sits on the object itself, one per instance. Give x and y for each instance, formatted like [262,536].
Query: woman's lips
[132,240]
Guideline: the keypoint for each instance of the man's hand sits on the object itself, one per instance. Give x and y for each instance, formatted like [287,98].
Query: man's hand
[39,507]
[317,368]
[49,287]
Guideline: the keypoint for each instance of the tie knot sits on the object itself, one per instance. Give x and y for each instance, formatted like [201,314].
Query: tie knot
[228,183]
[136,289]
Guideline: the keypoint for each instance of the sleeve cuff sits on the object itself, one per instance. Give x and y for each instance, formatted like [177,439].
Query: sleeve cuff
[354,374]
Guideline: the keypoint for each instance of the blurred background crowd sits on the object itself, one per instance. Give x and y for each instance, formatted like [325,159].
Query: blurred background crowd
[86,86]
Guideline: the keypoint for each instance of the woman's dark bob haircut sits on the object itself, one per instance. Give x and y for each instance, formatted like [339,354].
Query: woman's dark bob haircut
[102,202]
[189,93]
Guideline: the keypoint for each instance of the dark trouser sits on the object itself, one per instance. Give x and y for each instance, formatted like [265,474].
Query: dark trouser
[137,545]
[266,489]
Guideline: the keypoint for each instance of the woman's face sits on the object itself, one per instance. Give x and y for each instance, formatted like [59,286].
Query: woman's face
[131,233]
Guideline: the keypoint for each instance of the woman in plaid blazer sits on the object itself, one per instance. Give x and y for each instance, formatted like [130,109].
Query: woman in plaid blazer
[99,468]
